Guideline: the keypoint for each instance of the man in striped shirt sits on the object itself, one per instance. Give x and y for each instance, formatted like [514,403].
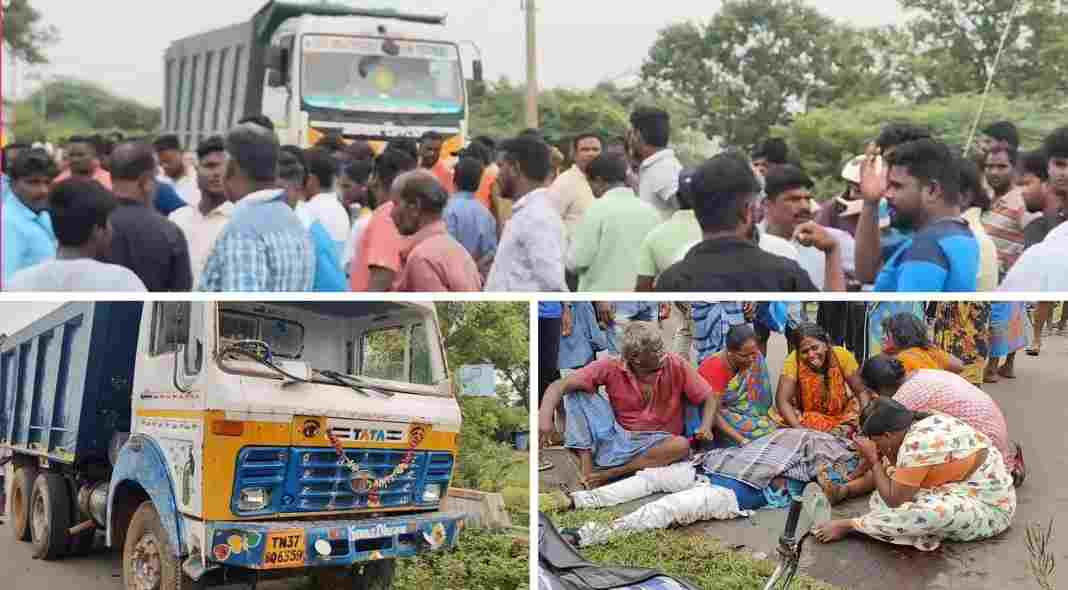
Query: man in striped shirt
[1008,216]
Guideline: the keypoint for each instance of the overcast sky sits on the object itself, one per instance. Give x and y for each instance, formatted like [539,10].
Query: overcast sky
[16,316]
[120,43]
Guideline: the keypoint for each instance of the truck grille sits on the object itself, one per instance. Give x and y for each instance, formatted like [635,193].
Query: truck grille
[312,480]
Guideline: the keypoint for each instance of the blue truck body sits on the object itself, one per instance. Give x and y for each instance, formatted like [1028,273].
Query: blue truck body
[66,382]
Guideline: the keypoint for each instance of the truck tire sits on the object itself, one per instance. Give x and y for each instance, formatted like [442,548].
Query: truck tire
[376,575]
[82,544]
[50,516]
[148,561]
[21,492]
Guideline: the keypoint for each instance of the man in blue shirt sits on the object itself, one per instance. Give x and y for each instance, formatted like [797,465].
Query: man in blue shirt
[28,238]
[264,248]
[923,188]
[468,220]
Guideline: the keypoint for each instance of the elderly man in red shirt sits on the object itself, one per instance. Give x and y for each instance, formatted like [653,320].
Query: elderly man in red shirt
[433,261]
[642,422]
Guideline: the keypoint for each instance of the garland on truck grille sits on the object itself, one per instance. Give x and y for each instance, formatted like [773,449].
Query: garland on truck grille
[374,486]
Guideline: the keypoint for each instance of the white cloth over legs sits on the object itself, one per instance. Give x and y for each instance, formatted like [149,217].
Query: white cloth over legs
[673,478]
[702,502]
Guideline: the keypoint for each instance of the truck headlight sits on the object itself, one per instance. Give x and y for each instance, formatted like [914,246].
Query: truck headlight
[432,494]
[253,499]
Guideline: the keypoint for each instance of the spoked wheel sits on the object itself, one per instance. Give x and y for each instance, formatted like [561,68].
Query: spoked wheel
[148,560]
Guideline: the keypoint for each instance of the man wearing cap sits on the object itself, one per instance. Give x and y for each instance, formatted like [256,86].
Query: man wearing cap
[669,241]
[843,212]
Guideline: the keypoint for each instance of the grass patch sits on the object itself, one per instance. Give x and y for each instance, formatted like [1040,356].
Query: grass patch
[699,559]
[483,560]
[516,489]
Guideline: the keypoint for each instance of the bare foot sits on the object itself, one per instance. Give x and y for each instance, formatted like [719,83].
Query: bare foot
[835,493]
[832,531]
[988,378]
[1007,372]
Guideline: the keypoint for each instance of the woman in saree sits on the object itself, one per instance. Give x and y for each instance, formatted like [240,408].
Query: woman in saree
[905,337]
[963,330]
[945,393]
[739,378]
[820,388]
[937,479]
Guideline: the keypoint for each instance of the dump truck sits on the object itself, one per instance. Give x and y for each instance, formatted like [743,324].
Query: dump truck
[319,68]
[215,442]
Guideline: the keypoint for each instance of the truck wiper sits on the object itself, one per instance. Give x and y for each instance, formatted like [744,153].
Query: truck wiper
[261,356]
[357,384]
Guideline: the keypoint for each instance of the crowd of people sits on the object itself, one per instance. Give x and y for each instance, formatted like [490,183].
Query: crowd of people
[871,397]
[248,214]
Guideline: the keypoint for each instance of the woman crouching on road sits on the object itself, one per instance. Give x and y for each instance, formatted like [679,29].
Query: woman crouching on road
[936,479]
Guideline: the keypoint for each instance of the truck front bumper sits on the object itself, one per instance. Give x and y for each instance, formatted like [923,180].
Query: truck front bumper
[328,543]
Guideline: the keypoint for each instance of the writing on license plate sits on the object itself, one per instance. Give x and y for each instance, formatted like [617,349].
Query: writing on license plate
[284,549]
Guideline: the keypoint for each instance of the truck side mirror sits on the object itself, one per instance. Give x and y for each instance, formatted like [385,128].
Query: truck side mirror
[275,79]
[277,62]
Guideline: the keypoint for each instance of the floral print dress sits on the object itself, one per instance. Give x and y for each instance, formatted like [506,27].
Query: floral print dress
[980,507]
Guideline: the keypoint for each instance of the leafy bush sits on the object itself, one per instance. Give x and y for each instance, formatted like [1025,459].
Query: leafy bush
[483,560]
[484,463]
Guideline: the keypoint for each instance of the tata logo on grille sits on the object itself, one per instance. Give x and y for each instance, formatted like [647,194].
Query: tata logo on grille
[368,432]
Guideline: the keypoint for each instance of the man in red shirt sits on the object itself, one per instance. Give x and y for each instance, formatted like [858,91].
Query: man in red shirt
[642,422]
[433,261]
[376,261]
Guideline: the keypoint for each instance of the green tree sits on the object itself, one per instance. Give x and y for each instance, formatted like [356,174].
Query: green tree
[954,43]
[757,62]
[25,36]
[69,106]
[827,137]
[490,333]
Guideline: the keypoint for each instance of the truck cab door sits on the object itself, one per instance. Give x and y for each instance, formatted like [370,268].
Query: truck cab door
[189,358]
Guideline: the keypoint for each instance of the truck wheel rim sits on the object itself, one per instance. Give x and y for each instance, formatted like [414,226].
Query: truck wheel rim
[146,563]
[40,519]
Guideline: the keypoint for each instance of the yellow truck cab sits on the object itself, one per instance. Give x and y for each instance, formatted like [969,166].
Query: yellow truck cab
[214,442]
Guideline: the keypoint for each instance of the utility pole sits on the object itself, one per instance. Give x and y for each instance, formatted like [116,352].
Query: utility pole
[532,64]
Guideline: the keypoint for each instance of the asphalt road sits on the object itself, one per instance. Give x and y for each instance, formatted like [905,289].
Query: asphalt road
[1036,407]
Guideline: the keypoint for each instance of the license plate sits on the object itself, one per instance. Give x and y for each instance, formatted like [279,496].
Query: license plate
[284,549]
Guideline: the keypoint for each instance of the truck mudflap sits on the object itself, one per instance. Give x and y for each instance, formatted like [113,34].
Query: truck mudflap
[329,543]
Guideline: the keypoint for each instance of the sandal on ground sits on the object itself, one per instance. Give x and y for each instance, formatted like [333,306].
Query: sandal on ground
[1019,470]
[545,465]
[555,501]
[1034,352]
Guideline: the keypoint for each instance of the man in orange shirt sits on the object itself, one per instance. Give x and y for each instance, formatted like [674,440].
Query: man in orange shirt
[430,159]
[83,161]
[377,265]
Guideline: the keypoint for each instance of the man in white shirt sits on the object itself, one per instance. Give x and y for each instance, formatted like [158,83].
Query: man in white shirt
[175,170]
[658,175]
[80,211]
[530,257]
[1041,269]
[324,205]
[788,205]
[203,223]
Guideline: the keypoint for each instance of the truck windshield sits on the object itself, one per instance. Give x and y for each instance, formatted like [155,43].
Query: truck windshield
[380,341]
[379,75]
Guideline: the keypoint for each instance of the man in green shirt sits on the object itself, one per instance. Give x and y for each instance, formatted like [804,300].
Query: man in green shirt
[604,251]
[665,243]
